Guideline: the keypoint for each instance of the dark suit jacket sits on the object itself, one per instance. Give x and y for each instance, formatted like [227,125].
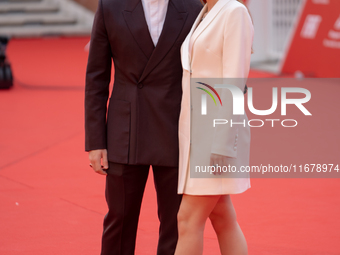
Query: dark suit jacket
[141,126]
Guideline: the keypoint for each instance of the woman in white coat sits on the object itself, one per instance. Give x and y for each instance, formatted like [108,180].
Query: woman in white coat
[219,45]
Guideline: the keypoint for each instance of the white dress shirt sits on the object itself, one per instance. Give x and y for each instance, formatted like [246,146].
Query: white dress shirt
[155,12]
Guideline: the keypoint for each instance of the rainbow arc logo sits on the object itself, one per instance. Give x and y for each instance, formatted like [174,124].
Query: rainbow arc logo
[209,93]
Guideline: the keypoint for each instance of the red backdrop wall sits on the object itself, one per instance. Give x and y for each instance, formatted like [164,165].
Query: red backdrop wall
[315,48]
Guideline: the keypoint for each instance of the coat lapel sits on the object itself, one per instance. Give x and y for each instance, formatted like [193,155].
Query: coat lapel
[135,20]
[208,19]
[175,18]
[185,54]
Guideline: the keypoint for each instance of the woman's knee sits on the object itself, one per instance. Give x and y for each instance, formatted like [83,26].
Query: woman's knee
[183,222]
[182,217]
[190,222]
[223,217]
[194,211]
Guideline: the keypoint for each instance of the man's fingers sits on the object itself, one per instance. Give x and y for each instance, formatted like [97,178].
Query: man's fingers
[101,171]
[97,167]
[105,161]
[95,157]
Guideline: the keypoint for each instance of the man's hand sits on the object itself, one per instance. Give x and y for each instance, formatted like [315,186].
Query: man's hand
[98,161]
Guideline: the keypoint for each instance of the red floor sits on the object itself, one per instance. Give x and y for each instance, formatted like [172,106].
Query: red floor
[52,203]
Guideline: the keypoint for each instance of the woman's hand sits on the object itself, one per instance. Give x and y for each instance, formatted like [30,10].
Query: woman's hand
[218,160]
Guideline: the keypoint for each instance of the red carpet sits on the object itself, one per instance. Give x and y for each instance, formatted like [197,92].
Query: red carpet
[52,202]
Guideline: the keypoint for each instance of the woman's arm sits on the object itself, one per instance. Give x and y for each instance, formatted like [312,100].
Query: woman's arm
[237,47]
[238,40]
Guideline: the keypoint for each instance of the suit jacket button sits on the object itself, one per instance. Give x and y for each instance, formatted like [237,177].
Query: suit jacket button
[140,85]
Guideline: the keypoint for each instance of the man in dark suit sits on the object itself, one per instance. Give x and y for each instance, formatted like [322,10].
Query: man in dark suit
[139,127]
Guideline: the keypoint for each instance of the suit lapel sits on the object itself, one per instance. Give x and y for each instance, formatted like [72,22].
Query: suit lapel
[135,20]
[175,18]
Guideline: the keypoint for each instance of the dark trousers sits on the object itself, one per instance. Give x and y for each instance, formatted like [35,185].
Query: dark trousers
[125,186]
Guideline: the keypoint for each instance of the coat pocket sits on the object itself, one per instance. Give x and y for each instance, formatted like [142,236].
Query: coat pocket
[118,131]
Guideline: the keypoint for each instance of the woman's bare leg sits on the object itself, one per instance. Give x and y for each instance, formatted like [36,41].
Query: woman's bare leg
[192,215]
[229,233]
